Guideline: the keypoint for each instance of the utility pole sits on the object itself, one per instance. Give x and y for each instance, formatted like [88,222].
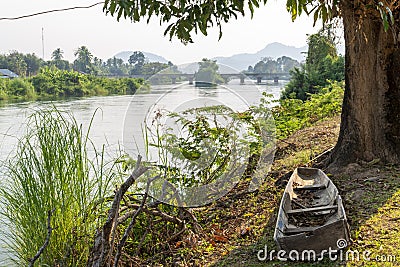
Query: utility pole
[42,43]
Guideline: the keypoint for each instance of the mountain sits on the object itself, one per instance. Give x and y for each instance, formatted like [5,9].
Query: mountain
[149,56]
[274,50]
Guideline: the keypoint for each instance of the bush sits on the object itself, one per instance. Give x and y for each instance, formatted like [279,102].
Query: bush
[322,65]
[295,114]
[56,83]
[52,82]
[3,89]
[21,88]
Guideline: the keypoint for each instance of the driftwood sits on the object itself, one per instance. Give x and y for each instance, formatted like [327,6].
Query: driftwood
[131,224]
[153,212]
[105,250]
[101,251]
[46,242]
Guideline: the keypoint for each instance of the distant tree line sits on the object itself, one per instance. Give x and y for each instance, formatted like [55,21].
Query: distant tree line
[269,65]
[26,65]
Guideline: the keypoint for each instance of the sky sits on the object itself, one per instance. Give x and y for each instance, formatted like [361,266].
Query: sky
[105,37]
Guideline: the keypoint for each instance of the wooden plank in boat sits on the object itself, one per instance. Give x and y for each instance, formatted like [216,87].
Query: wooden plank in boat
[315,209]
[310,187]
[298,230]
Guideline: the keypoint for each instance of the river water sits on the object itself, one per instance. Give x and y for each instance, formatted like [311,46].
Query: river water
[118,118]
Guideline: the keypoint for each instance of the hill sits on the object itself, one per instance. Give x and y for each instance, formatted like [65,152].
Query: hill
[238,61]
[274,50]
[149,56]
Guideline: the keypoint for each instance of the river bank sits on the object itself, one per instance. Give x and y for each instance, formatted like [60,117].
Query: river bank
[55,84]
[370,191]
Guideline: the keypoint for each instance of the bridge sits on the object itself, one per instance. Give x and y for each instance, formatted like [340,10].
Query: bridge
[173,77]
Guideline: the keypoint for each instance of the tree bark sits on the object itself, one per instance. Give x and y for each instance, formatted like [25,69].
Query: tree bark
[370,123]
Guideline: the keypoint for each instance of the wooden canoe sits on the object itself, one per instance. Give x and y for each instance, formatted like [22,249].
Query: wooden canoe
[311,215]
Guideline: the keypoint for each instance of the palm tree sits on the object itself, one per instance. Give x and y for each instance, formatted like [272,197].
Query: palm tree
[83,62]
[57,54]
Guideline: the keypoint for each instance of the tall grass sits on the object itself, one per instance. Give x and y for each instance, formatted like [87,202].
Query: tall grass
[52,170]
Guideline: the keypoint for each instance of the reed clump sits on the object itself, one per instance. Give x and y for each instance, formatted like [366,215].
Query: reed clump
[53,170]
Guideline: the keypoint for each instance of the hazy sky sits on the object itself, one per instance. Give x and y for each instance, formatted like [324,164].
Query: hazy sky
[105,37]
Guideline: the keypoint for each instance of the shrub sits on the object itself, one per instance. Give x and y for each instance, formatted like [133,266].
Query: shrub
[21,88]
[294,114]
[3,89]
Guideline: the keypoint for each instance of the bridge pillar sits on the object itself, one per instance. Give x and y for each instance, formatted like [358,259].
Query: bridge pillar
[241,79]
[276,79]
[259,80]
[173,80]
[190,80]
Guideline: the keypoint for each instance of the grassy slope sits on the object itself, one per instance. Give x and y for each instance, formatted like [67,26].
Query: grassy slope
[239,225]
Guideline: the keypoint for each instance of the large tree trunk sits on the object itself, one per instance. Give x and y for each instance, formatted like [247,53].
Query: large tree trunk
[370,126]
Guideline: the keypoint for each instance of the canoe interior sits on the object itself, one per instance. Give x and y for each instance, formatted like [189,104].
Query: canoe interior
[311,214]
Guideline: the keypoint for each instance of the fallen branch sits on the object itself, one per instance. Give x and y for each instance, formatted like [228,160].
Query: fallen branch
[133,220]
[46,242]
[100,252]
[181,231]
[175,193]
[196,226]
[164,216]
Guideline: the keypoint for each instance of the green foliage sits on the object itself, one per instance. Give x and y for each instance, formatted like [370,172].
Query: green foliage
[52,170]
[57,54]
[55,83]
[324,10]
[294,114]
[322,64]
[152,68]
[386,14]
[209,139]
[52,82]
[21,88]
[320,46]
[60,83]
[137,59]
[3,88]
[185,16]
[208,73]
[23,65]
[175,151]
[268,65]
[83,62]
[299,86]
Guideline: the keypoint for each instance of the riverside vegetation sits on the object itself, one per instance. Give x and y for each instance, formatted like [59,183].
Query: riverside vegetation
[52,83]
[52,171]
